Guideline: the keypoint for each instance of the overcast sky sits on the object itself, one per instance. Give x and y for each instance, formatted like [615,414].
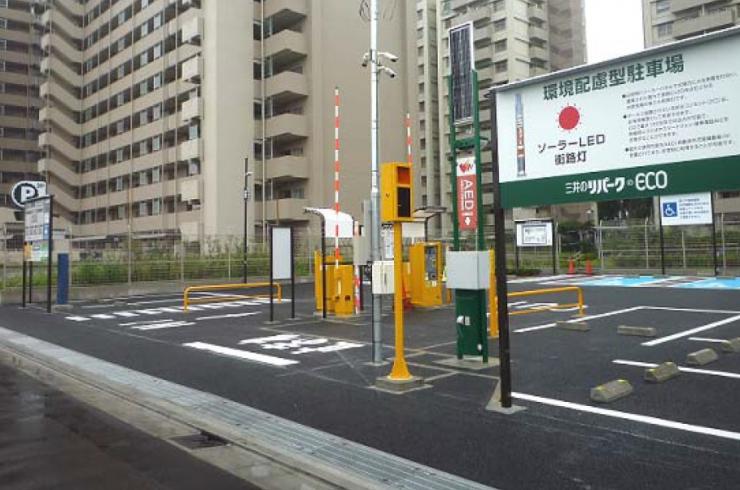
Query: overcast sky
[613,28]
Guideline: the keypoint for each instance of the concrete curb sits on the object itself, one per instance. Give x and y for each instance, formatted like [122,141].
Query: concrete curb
[25,353]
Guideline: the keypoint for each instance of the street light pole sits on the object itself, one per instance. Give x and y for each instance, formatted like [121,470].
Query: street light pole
[374,189]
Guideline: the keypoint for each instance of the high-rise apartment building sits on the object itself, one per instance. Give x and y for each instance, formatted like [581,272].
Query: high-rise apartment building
[670,20]
[157,114]
[513,40]
[20,58]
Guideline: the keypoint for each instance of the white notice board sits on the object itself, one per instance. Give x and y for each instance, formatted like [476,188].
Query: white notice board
[281,253]
[534,233]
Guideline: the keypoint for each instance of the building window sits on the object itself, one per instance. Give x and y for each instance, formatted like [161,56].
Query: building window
[156,112]
[157,145]
[499,25]
[143,148]
[119,184]
[499,46]
[157,51]
[157,20]
[156,206]
[144,29]
[662,6]
[498,5]
[143,87]
[500,66]
[665,29]
[143,211]
[144,58]
[119,155]
[193,132]
[143,118]
[157,81]
[156,175]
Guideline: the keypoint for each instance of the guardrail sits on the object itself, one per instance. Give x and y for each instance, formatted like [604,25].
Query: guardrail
[187,300]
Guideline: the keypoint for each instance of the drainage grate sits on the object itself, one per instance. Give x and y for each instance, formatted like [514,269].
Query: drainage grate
[201,440]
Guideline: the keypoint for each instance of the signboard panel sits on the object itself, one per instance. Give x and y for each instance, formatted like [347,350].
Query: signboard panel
[534,233]
[686,209]
[665,121]
[37,219]
[467,194]
[281,251]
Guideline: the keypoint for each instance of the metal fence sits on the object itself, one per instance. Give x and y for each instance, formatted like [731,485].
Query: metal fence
[612,247]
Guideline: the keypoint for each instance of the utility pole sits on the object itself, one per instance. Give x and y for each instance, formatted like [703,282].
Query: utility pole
[375,184]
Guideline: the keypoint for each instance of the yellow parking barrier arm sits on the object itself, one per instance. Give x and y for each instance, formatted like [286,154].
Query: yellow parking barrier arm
[537,292]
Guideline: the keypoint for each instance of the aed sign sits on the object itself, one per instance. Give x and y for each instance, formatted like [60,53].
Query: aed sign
[467,194]
[686,209]
[25,190]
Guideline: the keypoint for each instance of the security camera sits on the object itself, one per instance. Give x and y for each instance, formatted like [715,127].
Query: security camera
[389,72]
[365,59]
[389,56]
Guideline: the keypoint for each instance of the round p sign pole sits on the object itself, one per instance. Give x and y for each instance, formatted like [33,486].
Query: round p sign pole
[25,190]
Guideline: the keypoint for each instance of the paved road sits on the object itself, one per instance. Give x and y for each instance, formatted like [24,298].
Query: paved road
[685,433]
[49,440]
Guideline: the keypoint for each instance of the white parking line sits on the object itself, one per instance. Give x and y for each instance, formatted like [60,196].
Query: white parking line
[582,319]
[77,318]
[103,316]
[708,372]
[693,310]
[705,339]
[125,314]
[145,322]
[232,315]
[645,419]
[692,331]
[242,354]
[160,325]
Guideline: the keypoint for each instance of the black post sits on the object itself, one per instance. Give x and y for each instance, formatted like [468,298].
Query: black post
[554,250]
[714,240]
[30,281]
[272,308]
[50,259]
[292,274]
[23,281]
[245,247]
[323,268]
[516,255]
[500,260]
[662,245]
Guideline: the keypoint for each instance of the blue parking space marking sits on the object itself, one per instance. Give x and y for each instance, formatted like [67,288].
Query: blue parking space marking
[712,284]
[619,281]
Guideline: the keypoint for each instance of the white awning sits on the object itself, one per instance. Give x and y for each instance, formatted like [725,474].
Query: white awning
[331,219]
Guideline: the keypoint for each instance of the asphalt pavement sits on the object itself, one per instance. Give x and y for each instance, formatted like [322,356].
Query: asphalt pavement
[683,433]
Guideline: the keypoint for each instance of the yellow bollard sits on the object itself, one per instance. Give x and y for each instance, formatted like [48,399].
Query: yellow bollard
[400,370]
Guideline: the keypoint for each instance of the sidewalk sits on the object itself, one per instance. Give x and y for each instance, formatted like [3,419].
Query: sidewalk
[51,440]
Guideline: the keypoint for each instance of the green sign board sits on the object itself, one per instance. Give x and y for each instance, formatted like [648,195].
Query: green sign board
[664,121]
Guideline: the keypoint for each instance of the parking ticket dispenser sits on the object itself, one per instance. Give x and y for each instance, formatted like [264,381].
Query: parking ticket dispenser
[426,274]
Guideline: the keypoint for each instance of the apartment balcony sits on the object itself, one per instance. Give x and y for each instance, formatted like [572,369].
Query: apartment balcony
[62,70]
[539,33]
[286,46]
[192,69]
[539,53]
[61,22]
[287,168]
[58,169]
[190,190]
[192,30]
[287,126]
[285,85]
[190,150]
[539,13]
[283,8]
[52,114]
[58,143]
[703,23]
[60,95]
[681,5]
[191,109]
[290,209]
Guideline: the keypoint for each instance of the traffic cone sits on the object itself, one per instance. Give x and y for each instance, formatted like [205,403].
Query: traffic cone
[589,268]
[571,266]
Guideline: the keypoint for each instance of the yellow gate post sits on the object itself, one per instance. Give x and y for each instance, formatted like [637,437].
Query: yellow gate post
[400,371]
[492,299]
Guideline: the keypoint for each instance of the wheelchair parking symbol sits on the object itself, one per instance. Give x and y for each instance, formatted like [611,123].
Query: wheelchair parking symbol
[670,209]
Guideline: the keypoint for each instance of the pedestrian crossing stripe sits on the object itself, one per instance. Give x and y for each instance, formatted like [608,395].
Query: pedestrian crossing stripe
[169,309]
